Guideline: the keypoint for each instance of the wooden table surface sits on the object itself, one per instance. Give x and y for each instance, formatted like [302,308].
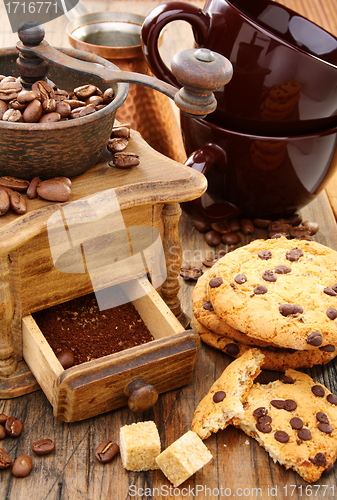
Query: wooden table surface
[240,467]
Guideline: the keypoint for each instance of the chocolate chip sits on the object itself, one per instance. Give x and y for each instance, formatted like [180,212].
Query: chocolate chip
[318,391]
[289,309]
[215,282]
[240,278]
[265,419]
[328,348]
[260,411]
[325,428]
[281,436]
[315,339]
[232,349]
[282,269]
[286,404]
[322,417]
[319,460]
[265,254]
[331,313]
[269,276]
[332,398]
[304,434]
[287,380]
[208,306]
[330,291]
[219,396]
[296,423]
[190,273]
[294,254]
[264,427]
[328,469]
[260,290]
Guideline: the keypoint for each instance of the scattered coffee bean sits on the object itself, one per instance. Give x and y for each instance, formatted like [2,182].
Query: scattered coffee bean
[262,223]
[106,451]
[117,144]
[14,183]
[22,466]
[53,190]
[313,227]
[125,160]
[43,446]
[210,261]
[121,132]
[300,233]
[17,202]
[295,219]
[220,227]
[202,227]
[66,358]
[32,188]
[233,225]
[231,238]
[213,238]
[2,432]
[281,226]
[13,427]
[5,459]
[4,202]
[247,227]
[3,418]
[219,396]
[190,273]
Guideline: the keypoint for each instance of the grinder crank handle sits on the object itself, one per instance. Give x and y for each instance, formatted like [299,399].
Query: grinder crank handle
[200,71]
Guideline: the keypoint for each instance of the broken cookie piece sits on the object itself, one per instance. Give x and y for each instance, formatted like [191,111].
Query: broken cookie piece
[225,398]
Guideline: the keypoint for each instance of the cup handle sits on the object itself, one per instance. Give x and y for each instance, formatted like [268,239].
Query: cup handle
[202,160]
[158,18]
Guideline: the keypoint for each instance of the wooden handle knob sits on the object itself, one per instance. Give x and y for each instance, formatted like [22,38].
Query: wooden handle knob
[200,72]
[141,395]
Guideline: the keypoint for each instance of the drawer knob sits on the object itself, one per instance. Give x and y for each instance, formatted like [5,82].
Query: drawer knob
[141,395]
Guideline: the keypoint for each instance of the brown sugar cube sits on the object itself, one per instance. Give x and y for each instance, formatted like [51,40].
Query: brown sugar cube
[183,458]
[139,446]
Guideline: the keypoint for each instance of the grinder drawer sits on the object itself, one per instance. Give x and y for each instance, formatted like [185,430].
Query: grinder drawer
[100,385]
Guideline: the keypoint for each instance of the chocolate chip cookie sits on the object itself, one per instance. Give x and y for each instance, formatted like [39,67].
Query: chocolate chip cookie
[280,291]
[295,420]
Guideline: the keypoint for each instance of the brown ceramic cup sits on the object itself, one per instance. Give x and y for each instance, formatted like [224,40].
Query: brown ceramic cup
[256,176]
[284,66]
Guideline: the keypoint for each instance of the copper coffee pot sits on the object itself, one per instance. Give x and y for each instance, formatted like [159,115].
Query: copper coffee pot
[66,146]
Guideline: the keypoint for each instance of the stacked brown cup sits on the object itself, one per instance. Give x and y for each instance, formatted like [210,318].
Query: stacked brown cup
[270,146]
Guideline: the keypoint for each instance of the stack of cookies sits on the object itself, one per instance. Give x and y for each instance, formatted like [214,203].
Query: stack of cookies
[277,295]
